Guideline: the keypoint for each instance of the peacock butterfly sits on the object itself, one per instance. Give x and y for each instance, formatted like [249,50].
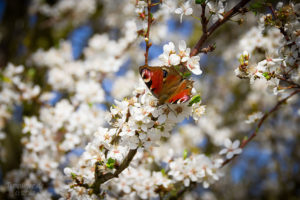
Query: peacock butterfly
[166,84]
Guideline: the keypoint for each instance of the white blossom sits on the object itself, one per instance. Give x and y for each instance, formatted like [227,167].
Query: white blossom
[184,9]
[184,52]
[254,117]
[193,65]
[231,148]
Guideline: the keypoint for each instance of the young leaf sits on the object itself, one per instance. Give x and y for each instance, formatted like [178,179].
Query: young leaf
[185,154]
[110,163]
[195,99]
[199,1]
[163,172]
[186,74]
[267,75]
[74,176]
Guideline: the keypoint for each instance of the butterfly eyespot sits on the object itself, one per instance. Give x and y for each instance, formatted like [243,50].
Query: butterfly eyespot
[165,73]
[146,75]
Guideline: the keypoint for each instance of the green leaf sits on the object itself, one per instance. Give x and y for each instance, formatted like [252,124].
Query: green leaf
[267,75]
[195,99]
[241,60]
[186,74]
[110,163]
[257,6]
[74,176]
[151,15]
[199,1]
[4,79]
[185,154]
[177,68]
[163,172]
[31,72]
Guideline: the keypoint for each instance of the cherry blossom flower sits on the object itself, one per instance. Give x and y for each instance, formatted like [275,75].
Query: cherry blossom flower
[231,148]
[193,65]
[198,111]
[185,9]
[184,52]
[254,117]
[140,6]
[169,56]
[32,125]
[217,9]
[197,168]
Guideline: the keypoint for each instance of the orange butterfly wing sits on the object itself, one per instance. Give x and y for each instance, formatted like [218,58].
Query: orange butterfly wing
[166,84]
[182,93]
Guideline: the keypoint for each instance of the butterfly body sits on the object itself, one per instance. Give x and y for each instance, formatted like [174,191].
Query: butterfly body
[166,84]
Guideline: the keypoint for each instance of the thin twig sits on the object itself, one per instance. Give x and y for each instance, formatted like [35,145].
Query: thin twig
[148,44]
[287,81]
[261,121]
[283,32]
[204,21]
[226,17]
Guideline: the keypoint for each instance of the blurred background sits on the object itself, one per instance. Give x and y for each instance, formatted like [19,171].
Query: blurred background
[269,167]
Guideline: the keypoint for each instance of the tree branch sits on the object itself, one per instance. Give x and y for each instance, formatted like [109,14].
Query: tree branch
[261,121]
[204,21]
[282,78]
[227,16]
[102,178]
[150,20]
[283,32]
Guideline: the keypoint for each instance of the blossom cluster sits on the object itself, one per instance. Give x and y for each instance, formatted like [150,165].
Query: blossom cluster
[171,58]
[136,123]
[13,90]
[216,9]
[101,56]
[59,130]
[282,61]
[77,145]
[65,11]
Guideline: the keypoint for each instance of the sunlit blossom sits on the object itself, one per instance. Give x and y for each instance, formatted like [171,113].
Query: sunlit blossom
[231,148]
[184,9]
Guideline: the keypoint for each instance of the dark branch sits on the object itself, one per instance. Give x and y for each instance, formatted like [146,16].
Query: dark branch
[281,28]
[204,21]
[217,24]
[150,20]
[260,123]
[102,178]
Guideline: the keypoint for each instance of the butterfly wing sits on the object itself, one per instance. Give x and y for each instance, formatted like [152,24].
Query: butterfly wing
[182,93]
[153,78]
[166,84]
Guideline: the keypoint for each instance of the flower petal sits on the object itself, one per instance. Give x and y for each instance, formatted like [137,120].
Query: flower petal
[174,59]
[178,10]
[188,11]
[237,151]
[236,144]
[223,151]
[229,155]
[205,184]
[184,59]
[182,45]
[227,143]
[186,182]
[197,71]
